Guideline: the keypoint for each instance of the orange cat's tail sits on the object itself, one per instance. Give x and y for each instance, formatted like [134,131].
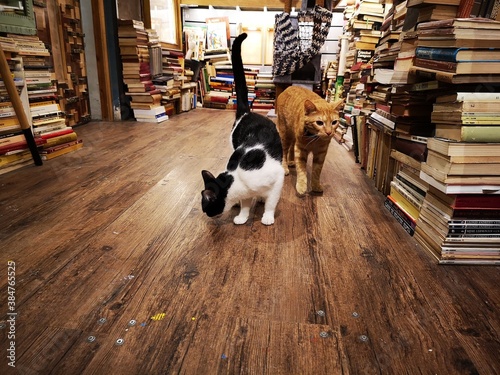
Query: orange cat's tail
[240,83]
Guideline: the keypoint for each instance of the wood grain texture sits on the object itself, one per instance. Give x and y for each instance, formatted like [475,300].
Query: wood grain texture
[335,286]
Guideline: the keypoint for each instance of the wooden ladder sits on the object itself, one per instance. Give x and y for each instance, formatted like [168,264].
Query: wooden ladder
[18,107]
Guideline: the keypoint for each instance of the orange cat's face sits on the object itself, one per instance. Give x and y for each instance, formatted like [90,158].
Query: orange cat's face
[320,121]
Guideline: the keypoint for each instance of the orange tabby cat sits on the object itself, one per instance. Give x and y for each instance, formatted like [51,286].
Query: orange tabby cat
[306,123]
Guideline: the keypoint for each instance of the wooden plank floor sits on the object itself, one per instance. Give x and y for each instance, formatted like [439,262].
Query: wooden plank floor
[115,231]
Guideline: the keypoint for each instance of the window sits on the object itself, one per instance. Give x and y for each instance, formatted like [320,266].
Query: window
[165,18]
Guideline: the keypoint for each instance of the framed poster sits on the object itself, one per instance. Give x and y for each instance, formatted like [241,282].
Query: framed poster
[217,33]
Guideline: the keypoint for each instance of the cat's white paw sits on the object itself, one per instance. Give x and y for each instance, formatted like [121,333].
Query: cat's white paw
[301,189]
[267,219]
[238,220]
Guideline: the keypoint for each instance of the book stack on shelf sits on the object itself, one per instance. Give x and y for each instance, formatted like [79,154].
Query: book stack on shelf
[388,45]
[367,15]
[220,86]
[451,47]
[405,58]
[14,152]
[50,123]
[265,92]
[412,110]
[460,217]
[468,116]
[329,79]
[134,51]
[71,64]
[479,8]
[389,53]
[172,74]
[411,107]
[363,30]
[406,192]
[435,10]
[251,79]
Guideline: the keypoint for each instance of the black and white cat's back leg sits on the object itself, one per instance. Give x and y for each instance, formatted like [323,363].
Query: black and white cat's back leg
[272,199]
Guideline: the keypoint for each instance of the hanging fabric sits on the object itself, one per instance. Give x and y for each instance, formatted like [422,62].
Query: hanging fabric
[295,46]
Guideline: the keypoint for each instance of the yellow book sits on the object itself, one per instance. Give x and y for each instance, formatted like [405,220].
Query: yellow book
[404,203]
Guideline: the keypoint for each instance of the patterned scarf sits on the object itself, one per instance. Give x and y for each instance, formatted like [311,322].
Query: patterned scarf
[291,52]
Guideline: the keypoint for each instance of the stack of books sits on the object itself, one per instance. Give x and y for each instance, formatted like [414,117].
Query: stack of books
[462,167]
[412,111]
[220,86]
[38,70]
[460,228]
[458,51]
[389,45]
[134,51]
[468,116]
[49,124]
[407,191]
[363,26]
[367,15]
[435,10]
[405,58]
[173,71]
[265,92]
[460,220]
[14,152]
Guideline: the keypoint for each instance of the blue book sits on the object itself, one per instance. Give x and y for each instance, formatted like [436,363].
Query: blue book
[458,54]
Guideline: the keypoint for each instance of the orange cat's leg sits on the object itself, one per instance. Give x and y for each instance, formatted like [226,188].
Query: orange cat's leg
[285,141]
[301,164]
[286,146]
[291,156]
[318,160]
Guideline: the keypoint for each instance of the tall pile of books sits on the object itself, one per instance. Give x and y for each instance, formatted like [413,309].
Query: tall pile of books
[435,10]
[463,159]
[32,71]
[173,72]
[49,122]
[363,27]
[134,52]
[459,222]
[220,86]
[265,92]
[458,51]
[14,151]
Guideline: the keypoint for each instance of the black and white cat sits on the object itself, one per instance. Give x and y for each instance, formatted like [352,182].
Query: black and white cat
[254,170]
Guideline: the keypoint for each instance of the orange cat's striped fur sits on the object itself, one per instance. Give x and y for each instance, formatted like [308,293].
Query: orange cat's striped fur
[306,123]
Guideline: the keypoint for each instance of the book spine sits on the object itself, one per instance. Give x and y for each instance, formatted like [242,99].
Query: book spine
[480,134]
[465,8]
[445,66]
[474,232]
[441,54]
[431,74]
[407,224]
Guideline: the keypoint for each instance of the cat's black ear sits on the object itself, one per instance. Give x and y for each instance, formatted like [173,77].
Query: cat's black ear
[207,177]
[208,196]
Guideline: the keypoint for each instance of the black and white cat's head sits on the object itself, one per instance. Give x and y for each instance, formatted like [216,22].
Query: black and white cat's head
[213,197]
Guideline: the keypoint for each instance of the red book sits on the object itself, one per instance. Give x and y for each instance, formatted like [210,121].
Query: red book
[19,145]
[56,133]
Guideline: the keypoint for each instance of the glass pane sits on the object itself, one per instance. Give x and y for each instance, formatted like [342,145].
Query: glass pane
[163,20]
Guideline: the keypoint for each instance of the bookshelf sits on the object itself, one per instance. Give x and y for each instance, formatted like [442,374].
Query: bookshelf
[412,103]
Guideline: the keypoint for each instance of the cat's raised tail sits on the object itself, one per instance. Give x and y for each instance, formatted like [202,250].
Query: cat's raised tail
[240,83]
